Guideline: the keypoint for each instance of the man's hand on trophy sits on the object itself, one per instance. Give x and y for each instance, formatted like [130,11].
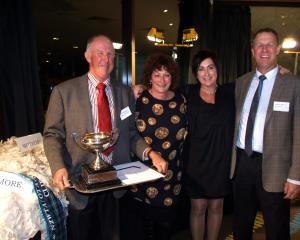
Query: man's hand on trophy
[60,179]
[158,162]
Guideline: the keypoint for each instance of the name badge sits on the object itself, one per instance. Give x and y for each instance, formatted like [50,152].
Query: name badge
[281,106]
[125,113]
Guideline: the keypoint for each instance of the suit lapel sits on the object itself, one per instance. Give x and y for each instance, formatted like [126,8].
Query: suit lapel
[277,88]
[243,93]
[245,88]
[85,105]
[115,92]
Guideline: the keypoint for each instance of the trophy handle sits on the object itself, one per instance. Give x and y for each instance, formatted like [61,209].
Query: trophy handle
[77,138]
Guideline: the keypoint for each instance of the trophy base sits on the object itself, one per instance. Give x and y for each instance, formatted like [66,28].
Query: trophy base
[97,178]
[83,187]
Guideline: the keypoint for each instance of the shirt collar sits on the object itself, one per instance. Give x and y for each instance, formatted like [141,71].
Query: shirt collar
[269,75]
[94,81]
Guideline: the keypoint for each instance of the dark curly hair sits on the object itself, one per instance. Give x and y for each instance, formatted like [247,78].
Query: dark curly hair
[159,61]
[200,56]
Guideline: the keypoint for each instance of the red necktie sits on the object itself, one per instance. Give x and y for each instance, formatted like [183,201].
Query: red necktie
[104,118]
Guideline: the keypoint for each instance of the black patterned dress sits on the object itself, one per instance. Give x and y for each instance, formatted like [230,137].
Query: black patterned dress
[163,125]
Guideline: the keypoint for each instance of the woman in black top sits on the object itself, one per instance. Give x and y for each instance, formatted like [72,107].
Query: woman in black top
[210,112]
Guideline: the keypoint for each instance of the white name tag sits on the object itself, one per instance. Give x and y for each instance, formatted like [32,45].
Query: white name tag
[281,106]
[125,113]
[29,142]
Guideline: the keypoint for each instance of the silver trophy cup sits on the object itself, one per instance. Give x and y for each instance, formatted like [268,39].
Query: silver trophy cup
[98,171]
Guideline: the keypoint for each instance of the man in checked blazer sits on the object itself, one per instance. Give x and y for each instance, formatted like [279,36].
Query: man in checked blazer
[269,177]
[73,109]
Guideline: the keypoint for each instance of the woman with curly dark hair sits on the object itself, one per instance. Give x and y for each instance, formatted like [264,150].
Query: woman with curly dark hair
[161,121]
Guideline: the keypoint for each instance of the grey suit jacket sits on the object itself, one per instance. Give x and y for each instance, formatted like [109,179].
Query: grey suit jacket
[69,111]
[281,143]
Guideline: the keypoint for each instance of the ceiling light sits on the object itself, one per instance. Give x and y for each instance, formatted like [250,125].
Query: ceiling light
[75,46]
[165,10]
[289,43]
[55,38]
[117,45]
[155,35]
[189,35]
[170,24]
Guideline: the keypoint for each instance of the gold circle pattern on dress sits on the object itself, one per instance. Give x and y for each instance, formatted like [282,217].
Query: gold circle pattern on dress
[167,187]
[152,192]
[172,105]
[166,145]
[141,125]
[169,175]
[157,109]
[180,134]
[168,201]
[172,154]
[145,100]
[183,108]
[175,119]
[161,132]
[151,121]
[177,189]
[148,140]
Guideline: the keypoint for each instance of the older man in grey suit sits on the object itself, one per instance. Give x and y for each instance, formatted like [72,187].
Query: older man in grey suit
[266,153]
[73,108]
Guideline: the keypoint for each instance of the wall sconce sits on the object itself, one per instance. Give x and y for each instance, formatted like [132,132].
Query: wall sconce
[155,35]
[117,45]
[189,35]
[289,43]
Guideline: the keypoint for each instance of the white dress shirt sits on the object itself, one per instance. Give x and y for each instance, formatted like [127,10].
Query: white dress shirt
[259,124]
[93,93]
[258,134]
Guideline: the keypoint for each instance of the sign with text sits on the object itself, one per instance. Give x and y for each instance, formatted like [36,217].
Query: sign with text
[13,182]
[29,142]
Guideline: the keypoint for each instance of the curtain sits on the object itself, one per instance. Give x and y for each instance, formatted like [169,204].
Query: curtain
[193,13]
[224,29]
[231,36]
[21,108]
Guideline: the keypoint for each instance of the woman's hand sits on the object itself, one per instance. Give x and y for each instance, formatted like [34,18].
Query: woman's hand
[158,162]
[283,70]
[137,90]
